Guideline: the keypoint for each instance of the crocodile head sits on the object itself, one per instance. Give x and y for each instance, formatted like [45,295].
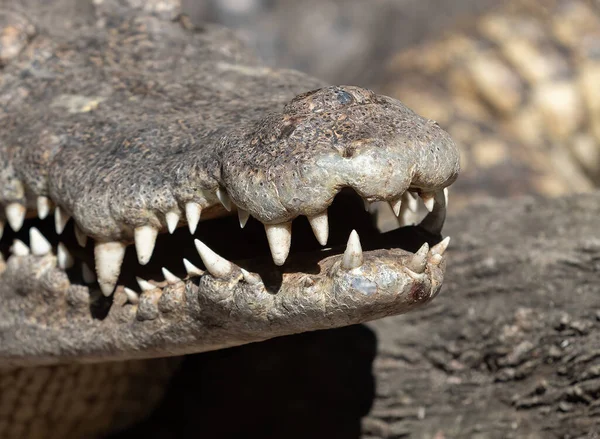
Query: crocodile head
[145,133]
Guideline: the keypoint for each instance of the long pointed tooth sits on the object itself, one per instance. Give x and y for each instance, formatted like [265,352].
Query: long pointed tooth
[411,200]
[441,246]
[145,285]
[353,256]
[80,236]
[88,275]
[428,200]
[132,296]
[243,217]
[191,269]
[145,238]
[224,199]
[320,226]
[15,214]
[172,219]
[192,215]
[367,205]
[19,248]
[65,259]
[396,205]
[170,277]
[419,261]
[61,218]
[39,245]
[279,237]
[109,258]
[43,206]
[251,278]
[436,259]
[215,264]
[446,196]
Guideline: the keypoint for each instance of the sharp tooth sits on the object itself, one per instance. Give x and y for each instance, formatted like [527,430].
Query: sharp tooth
[191,269]
[251,278]
[145,238]
[39,245]
[15,214]
[412,201]
[192,215]
[19,248]
[145,285]
[446,196]
[320,227]
[243,216]
[43,206]
[132,296]
[428,200]
[367,205]
[224,199]
[396,205]
[80,236]
[441,246]
[65,259]
[280,239]
[61,218]
[109,257]
[89,277]
[419,261]
[215,264]
[353,256]
[170,277]
[172,221]
[436,259]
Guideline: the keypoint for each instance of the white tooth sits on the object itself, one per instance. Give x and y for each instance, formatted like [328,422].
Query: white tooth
[428,200]
[192,215]
[43,206]
[109,258]
[243,216]
[441,247]
[80,236]
[367,205]
[279,237]
[215,264]
[436,259]
[145,285]
[446,196]
[170,277]
[19,248]
[353,256]
[224,199]
[251,278]
[89,277]
[320,227]
[191,269]
[172,221]
[411,200]
[61,218]
[39,245]
[65,259]
[132,296]
[417,276]
[15,214]
[145,238]
[396,205]
[418,262]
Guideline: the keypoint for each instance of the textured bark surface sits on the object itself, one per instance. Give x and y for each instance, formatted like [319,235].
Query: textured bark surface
[511,348]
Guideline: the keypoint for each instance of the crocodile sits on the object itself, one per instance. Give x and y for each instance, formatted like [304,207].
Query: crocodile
[136,147]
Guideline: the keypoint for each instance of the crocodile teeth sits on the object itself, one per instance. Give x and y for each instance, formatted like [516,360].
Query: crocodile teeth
[15,214]
[446,196]
[65,259]
[172,219]
[441,246]
[19,248]
[396,205]
[80,236]
[192,215]
[320,226]
[408,210]
[170,277]
[243,217]
[191,269]
[353,256]
[89,277]
[436,259]
[367,205]
[145,285]
[428,200]
[109,257]
[215,264]
[250,278]
[132,296]
[145,238]
[418,262]
[61,218]
[224,199]
[39,245]
[43,206]
[280,240]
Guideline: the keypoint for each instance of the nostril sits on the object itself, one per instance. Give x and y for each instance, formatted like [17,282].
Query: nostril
[348,152]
